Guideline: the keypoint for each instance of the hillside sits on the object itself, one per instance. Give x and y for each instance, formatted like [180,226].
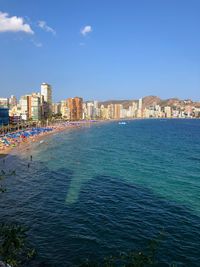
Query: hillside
[148,101]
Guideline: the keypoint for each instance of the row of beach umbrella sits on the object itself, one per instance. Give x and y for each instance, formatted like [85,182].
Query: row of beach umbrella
[23,134]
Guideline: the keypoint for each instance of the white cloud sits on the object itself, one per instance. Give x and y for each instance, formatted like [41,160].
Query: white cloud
[37,44]
[87,29]
[13,24]
[43,25]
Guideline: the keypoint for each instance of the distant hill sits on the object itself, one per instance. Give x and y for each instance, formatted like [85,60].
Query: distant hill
[148,101]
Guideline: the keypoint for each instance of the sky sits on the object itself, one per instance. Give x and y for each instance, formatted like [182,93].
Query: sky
[101,49]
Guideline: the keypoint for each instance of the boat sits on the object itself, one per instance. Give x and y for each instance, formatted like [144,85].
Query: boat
[122,122]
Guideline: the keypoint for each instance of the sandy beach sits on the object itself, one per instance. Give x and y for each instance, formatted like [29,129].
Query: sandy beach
[55,129]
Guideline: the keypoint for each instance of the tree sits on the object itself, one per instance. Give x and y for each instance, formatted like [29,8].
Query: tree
[14,248]
[145,258]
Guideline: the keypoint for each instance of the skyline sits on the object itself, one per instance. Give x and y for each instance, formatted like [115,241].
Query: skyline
[104,51]
[38,106]
[100,100]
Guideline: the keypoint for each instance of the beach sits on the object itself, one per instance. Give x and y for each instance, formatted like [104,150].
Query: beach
[15,141]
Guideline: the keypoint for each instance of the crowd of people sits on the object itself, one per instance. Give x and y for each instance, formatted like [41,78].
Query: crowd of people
[13,139]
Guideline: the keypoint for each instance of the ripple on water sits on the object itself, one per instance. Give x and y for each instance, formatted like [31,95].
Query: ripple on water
[101,190]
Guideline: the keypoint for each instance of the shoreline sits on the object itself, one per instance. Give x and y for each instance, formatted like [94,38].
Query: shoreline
[61,128]
[21,146]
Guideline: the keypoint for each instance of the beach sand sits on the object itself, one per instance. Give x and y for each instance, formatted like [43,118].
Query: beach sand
[24,145]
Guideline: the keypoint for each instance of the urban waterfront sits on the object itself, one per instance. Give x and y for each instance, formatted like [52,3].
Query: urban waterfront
[97,191]
[99,133]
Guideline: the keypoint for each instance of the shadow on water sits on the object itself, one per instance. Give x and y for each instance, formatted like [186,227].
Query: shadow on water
[110,216]
[125,217]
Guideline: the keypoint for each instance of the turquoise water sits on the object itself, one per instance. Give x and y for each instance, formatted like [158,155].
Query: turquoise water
[99,190]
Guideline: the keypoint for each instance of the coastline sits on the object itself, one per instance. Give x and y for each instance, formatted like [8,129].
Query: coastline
[7,151]
[64,127]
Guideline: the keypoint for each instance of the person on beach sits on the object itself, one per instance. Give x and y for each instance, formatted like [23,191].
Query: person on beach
[31,157]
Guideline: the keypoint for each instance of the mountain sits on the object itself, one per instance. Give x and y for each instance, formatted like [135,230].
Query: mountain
[148,101]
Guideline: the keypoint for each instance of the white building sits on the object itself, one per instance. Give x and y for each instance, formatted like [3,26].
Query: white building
[3,102]
[12,101]
[56,107]
[96,109]
[64,110]
[139,111]
[168,112]
[140,104]
[46,91]
[90,110]
[23,102]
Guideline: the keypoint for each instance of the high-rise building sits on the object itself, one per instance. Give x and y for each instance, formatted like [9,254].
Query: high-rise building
[31,107]
[103,112]
[12,101]
[123,113]
[96,110]
[146,113]
[4,102]
[64,109]
[75,106]
[15,112]
[140,104]
[84,111]
[117,111]
[168,112]
[46,91]
[56,108]
[79,107]
[4,116]
[34,107]
[90,110]
[23,102]
[140,111]
[110,111]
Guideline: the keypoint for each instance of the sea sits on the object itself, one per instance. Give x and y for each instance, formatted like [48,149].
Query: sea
[109,188]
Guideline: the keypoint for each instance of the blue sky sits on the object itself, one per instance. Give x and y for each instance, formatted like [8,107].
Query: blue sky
[129,49]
